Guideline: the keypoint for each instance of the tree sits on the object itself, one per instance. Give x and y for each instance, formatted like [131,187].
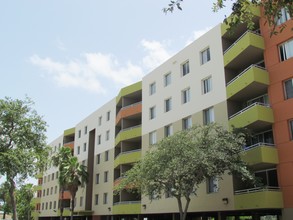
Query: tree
[4,196]
[241,12]
[24,196]
[179,163]
[23,149]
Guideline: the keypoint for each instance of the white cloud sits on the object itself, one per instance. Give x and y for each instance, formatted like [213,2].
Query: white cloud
[196,34]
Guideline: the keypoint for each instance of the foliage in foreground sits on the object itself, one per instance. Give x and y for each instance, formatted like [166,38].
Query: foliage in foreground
[179,163]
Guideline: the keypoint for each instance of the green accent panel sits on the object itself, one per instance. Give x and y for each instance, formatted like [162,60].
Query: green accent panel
[36,200]
[39,175]
[259,200]
[38,187]
[251,115]
[35,215]
[126,158]
[253,74]
[128,90]
[66,212]
[128,134]
[247,40]
[127,208]
[261,154]
[69,131]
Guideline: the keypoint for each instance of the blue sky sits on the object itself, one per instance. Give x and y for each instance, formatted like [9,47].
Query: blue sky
[72,56]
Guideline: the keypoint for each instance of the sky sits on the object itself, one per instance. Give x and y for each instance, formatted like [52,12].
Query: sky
[72,56]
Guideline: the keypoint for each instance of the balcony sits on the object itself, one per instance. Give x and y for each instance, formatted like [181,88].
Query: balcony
[261,155]
[128,90]
[258,198]
[129,110]
[128,133]
[244,51]
[253,81]
[127,157]
[127,207]
[257,117]
[70,145]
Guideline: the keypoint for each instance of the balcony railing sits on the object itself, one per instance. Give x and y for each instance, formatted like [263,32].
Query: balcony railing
[248,107]
[128,129]
[258,144]
[257,189]
[127,152]
[127,202]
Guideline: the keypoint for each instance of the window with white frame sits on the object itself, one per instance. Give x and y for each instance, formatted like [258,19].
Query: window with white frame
[208,116]
[152,88]
[168,104]
[185,95]
[108,115]
[153,137]
[168,130]
[106,155]
[97,199]
[84,147]
[206,85]
[100,120]
[212,185]
[78,149]
[167,79]
[286,50]
[107,135]
[283,16]
[85,130]
[106,176]
[81,201]
[97,178]
[153,112]
[98,158]
[291,128]
[185,68]
[99,139]
[186,123]
[105,198]
[79,133]
[205,56]
[288,87]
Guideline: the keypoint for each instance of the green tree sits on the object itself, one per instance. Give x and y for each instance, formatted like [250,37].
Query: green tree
[75,175]
[4,196]
[23,149]
[24,197]
[179,163]
[241,12]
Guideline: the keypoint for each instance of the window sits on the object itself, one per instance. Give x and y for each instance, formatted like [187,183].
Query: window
[108,115]
[79,133]
[46,205]
[168,104]
[186,96]
[153,137]
[97,199]
[45,179]
[51,191]
[84,146]
[212,185]
[98,158]
[288,84]
[99,139]
[97,178]
[153,112]
[44,192]
[167,79]
[78,150]
[286,50]
[50,206]
[53,175]
[186,123]
[49,178]
[205,56]
[185,68]
[57,174]
[291,128]
[107,135]
[106,176]
[283,16]
[206,85]
[106,155]
[85,130]
[105,198]
[168,130]
[48,191]
[208,116]
[56,189]
[152,88]
[100,120]
[55,205]
[81,201]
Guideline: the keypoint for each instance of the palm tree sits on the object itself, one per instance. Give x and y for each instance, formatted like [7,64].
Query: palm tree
[75,175]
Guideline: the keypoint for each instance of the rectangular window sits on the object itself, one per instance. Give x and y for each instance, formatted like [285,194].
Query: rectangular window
[168,104]
[206,85]
[167,79]
[107,135]
[55,204]
[99,139]
[283,16]
[205,56]
[185,68]
[153,112]
[49,178]
[53,175]
[85,130]
[168,130]
[57,174]
[56,189]
[97,178]
[286,50]
[48,191]
[186,96]
[81,201]
[152,88]
[106,176]
[186,123]
[79,133]
[105,198]
[51,191]
[100,120]
[153,137]
[288,86]
[84,147]
[97,199]
[98,158]
[291,128]
[106,155]
[208,116]
[108,115]
[212,185]
[50,206]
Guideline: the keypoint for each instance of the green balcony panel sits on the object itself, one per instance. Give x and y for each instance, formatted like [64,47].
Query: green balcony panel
[127,208]
[259,200]
[127,158]
[36,200]
[247,49]
[128,134]
[253,117]
[252,80]
[128,90]
[38,187]
[69,131]
[261,155]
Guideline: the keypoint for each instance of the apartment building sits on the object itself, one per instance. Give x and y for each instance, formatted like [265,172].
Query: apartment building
[242,80]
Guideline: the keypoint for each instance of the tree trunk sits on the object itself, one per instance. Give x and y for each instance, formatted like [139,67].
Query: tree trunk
[12,196]
[72,204]
[186,208]
[183,213]
[61,204]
